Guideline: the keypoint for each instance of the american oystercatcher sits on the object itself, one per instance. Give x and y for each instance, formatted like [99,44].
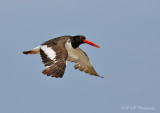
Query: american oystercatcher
[55,52]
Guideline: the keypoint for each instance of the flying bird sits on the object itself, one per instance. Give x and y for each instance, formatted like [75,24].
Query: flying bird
[56,52]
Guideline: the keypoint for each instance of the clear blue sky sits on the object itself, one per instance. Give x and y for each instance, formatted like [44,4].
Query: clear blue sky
[128,32]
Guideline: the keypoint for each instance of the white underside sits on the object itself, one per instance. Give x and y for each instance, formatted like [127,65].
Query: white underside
[70,49]
[77,55]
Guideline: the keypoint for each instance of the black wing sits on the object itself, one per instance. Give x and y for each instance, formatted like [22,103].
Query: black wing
[54,56]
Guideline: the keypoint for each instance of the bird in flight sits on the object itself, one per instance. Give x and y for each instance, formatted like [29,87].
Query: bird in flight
[56,52]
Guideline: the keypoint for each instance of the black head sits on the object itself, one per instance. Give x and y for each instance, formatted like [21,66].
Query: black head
[77,40]
[80,39]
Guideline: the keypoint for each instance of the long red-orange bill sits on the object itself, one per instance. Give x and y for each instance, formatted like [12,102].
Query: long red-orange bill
[91,43]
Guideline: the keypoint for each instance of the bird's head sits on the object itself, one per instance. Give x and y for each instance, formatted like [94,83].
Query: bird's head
[80,39]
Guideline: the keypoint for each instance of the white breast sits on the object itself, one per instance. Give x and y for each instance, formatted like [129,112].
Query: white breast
[70,50]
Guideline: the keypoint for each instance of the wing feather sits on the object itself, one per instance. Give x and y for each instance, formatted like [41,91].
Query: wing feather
[81,59]
[55,67]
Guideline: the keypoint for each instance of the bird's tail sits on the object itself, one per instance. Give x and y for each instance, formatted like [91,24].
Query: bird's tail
[33,51]
[29,52]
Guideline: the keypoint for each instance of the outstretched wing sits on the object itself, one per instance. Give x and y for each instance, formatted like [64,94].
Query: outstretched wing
[54,56]
[82,61]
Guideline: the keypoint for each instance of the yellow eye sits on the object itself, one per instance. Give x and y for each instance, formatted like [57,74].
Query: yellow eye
[80,37]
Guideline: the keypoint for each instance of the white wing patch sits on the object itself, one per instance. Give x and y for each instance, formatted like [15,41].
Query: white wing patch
[49,52]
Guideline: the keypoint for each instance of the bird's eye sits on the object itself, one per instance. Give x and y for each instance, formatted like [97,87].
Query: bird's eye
[80,37]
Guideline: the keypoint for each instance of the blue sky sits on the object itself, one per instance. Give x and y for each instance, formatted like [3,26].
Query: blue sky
[128,32]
